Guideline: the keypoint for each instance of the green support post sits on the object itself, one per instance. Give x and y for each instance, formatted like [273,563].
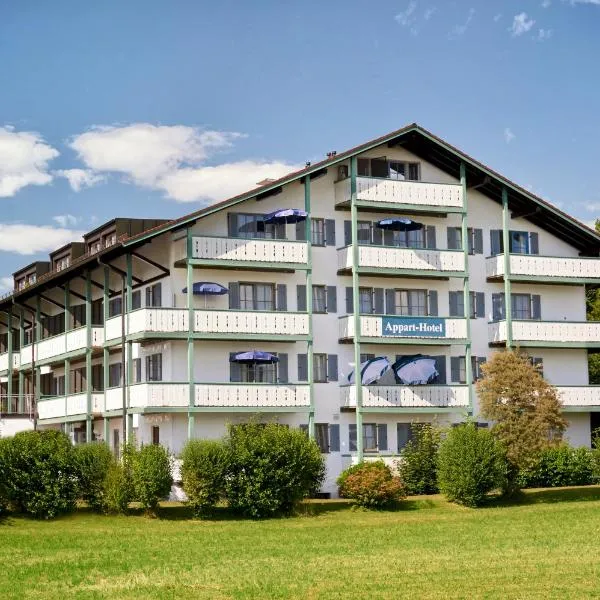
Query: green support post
[466,288]
[309,308]
[88,357]
[105,352]
[190,337]
[37,336]
[129,367]
[21,372]
[356,308]
[506,251]
[67,386]
[9,385]
[67,299]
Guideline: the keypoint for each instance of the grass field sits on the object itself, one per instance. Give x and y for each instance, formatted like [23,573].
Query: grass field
[546,547]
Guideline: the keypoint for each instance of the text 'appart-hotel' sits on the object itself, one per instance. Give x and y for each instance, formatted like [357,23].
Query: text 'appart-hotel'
[402,246]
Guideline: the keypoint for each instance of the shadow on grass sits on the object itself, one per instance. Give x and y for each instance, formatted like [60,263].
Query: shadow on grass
[548,496]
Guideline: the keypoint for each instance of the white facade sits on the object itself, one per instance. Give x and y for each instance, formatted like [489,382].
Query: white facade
[205,334]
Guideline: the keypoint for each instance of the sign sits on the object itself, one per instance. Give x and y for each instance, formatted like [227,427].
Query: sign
[413,327]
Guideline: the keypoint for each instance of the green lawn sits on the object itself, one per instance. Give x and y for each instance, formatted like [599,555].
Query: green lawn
[546,547]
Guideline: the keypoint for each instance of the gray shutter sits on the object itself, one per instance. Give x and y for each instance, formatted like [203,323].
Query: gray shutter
[332,367]
[403,434]
[235,370]
[430,236]
[304,429]
[534,243]
[334,438]
[282,368]
[382,437]
[496,241]
[377,236]
[378,303]
[349,302]
[480,305]
[301,231]
[536,307]
[352,437]
[455,369]
[433,303]
[329,232]
[478,241]
[331,299]
[301,298]
[281,297]
[347,233]
[453,304]
[440,365]
[453,239]
[302,367]
[498,307]
[390,302]
[232,225]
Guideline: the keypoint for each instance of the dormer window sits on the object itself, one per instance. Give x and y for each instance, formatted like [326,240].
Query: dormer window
[63,263]
[94,247]
[110,239]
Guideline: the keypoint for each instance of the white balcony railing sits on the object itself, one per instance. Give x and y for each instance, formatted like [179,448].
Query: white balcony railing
[4,360]
[69,406]
[528,265]
[404,259]
[251,322]
[403,396]
[393,192]
[158,320]
[252,395]
[373,326]
[250,250]
[583,332]
[60,344]
[581,395]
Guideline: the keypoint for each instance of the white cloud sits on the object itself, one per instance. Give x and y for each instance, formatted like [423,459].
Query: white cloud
[429,13]
[460,30]
[595,2]
[497,17]
[31,239]
[509,136]
[543,34]
[407,17]
[546,3]
[593,207]
[521,24]
[6,284]
[80,178]
[66,220]
[222,181]
[24,158]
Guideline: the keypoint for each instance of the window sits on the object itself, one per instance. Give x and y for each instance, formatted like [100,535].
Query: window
[413,172]
[31,279]
[78,381]
[154,295]
[364,232]
[374,437]
[97,378]
[322,437]
[114,375]
[474,236]
[59,385]
[258,373]
[253,226]
[365,300]
[409,239]
[394,169]
[319,298]
[116,444]
[519,242]
[257,296]
[319,368]
[369,437]
[458,368]
[405,433]
[137,370]
[538,363]
[78,312]
[365,357]
[110,239]
[62,263]
[136,300]
[115,307]
[154,367]
[155,435]
[477,304]
[317,232]
[94,247]
[411,303]
[521,306]
[398,170]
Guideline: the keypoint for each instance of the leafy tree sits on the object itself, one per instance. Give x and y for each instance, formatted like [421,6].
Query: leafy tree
[524,407]
[418,465]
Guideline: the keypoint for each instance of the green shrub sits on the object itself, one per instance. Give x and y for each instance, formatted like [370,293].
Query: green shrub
[560,466]
[371,485]
[418,465]
[39,474]
[152,478]
[4,492]
[203,469]
[118,485]
[93,462]
[471,463]
[270,468]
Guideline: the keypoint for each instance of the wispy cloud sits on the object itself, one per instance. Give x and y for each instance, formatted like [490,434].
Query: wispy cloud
[593,207]
[546,3]
[574,2]
[543,34]
[429,13]
[521,24]
[459,30]
[408,17]
[80,178]
[497,17]
[66,220]
[509,136]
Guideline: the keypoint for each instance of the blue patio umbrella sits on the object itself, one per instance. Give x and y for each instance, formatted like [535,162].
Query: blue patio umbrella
[372,370]
[207,288]
[253,357]
[286,215]
[399,224]
[415,370]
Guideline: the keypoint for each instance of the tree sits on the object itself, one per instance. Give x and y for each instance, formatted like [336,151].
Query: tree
[524,407]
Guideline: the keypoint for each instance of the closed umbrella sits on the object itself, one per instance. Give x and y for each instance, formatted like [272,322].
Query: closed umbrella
[286,215]
[372,370]
[415,370]
[399,224]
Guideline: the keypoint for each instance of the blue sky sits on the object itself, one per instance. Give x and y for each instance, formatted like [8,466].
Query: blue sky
[155,108]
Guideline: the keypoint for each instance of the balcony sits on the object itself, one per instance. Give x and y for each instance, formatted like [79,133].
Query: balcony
[16,359]
[389,194]
[73,341]
[563,334]
[408,262]
[394,329]
[255,254]
[213,324]
[74,405]
[382,398]
[545,269]
[584,397]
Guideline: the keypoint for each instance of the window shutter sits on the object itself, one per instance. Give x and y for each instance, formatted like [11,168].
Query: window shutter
[332,367]
[352,437]
[301,231]
[453,238]
[234,295]
[347,233]
[440,365]
[433,303]
[331,299]
[480,305]
[282,367]
[334,438]
[304,429]
[235,371]
[455,369]
[534,243]
[382,437]
[480,361]
[536,307]
[403,434]
[377,236]
[496,242]
[302,367]
[378,303]
[430,236]
[232,225]
[329,232]
[281,297]
[349,303]
[453,304]
[390,302]
[478,241]
[497,307]
[301,298]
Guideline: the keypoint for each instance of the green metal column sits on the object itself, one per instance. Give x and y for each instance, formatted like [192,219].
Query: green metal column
[466,287]
[67,385]
[21,372]
[356,307]
[9,386]
[105,352]
[37,336]
[309,308]
[190,340]
[88,356]
[67,300]
[129,366]
[506,249]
